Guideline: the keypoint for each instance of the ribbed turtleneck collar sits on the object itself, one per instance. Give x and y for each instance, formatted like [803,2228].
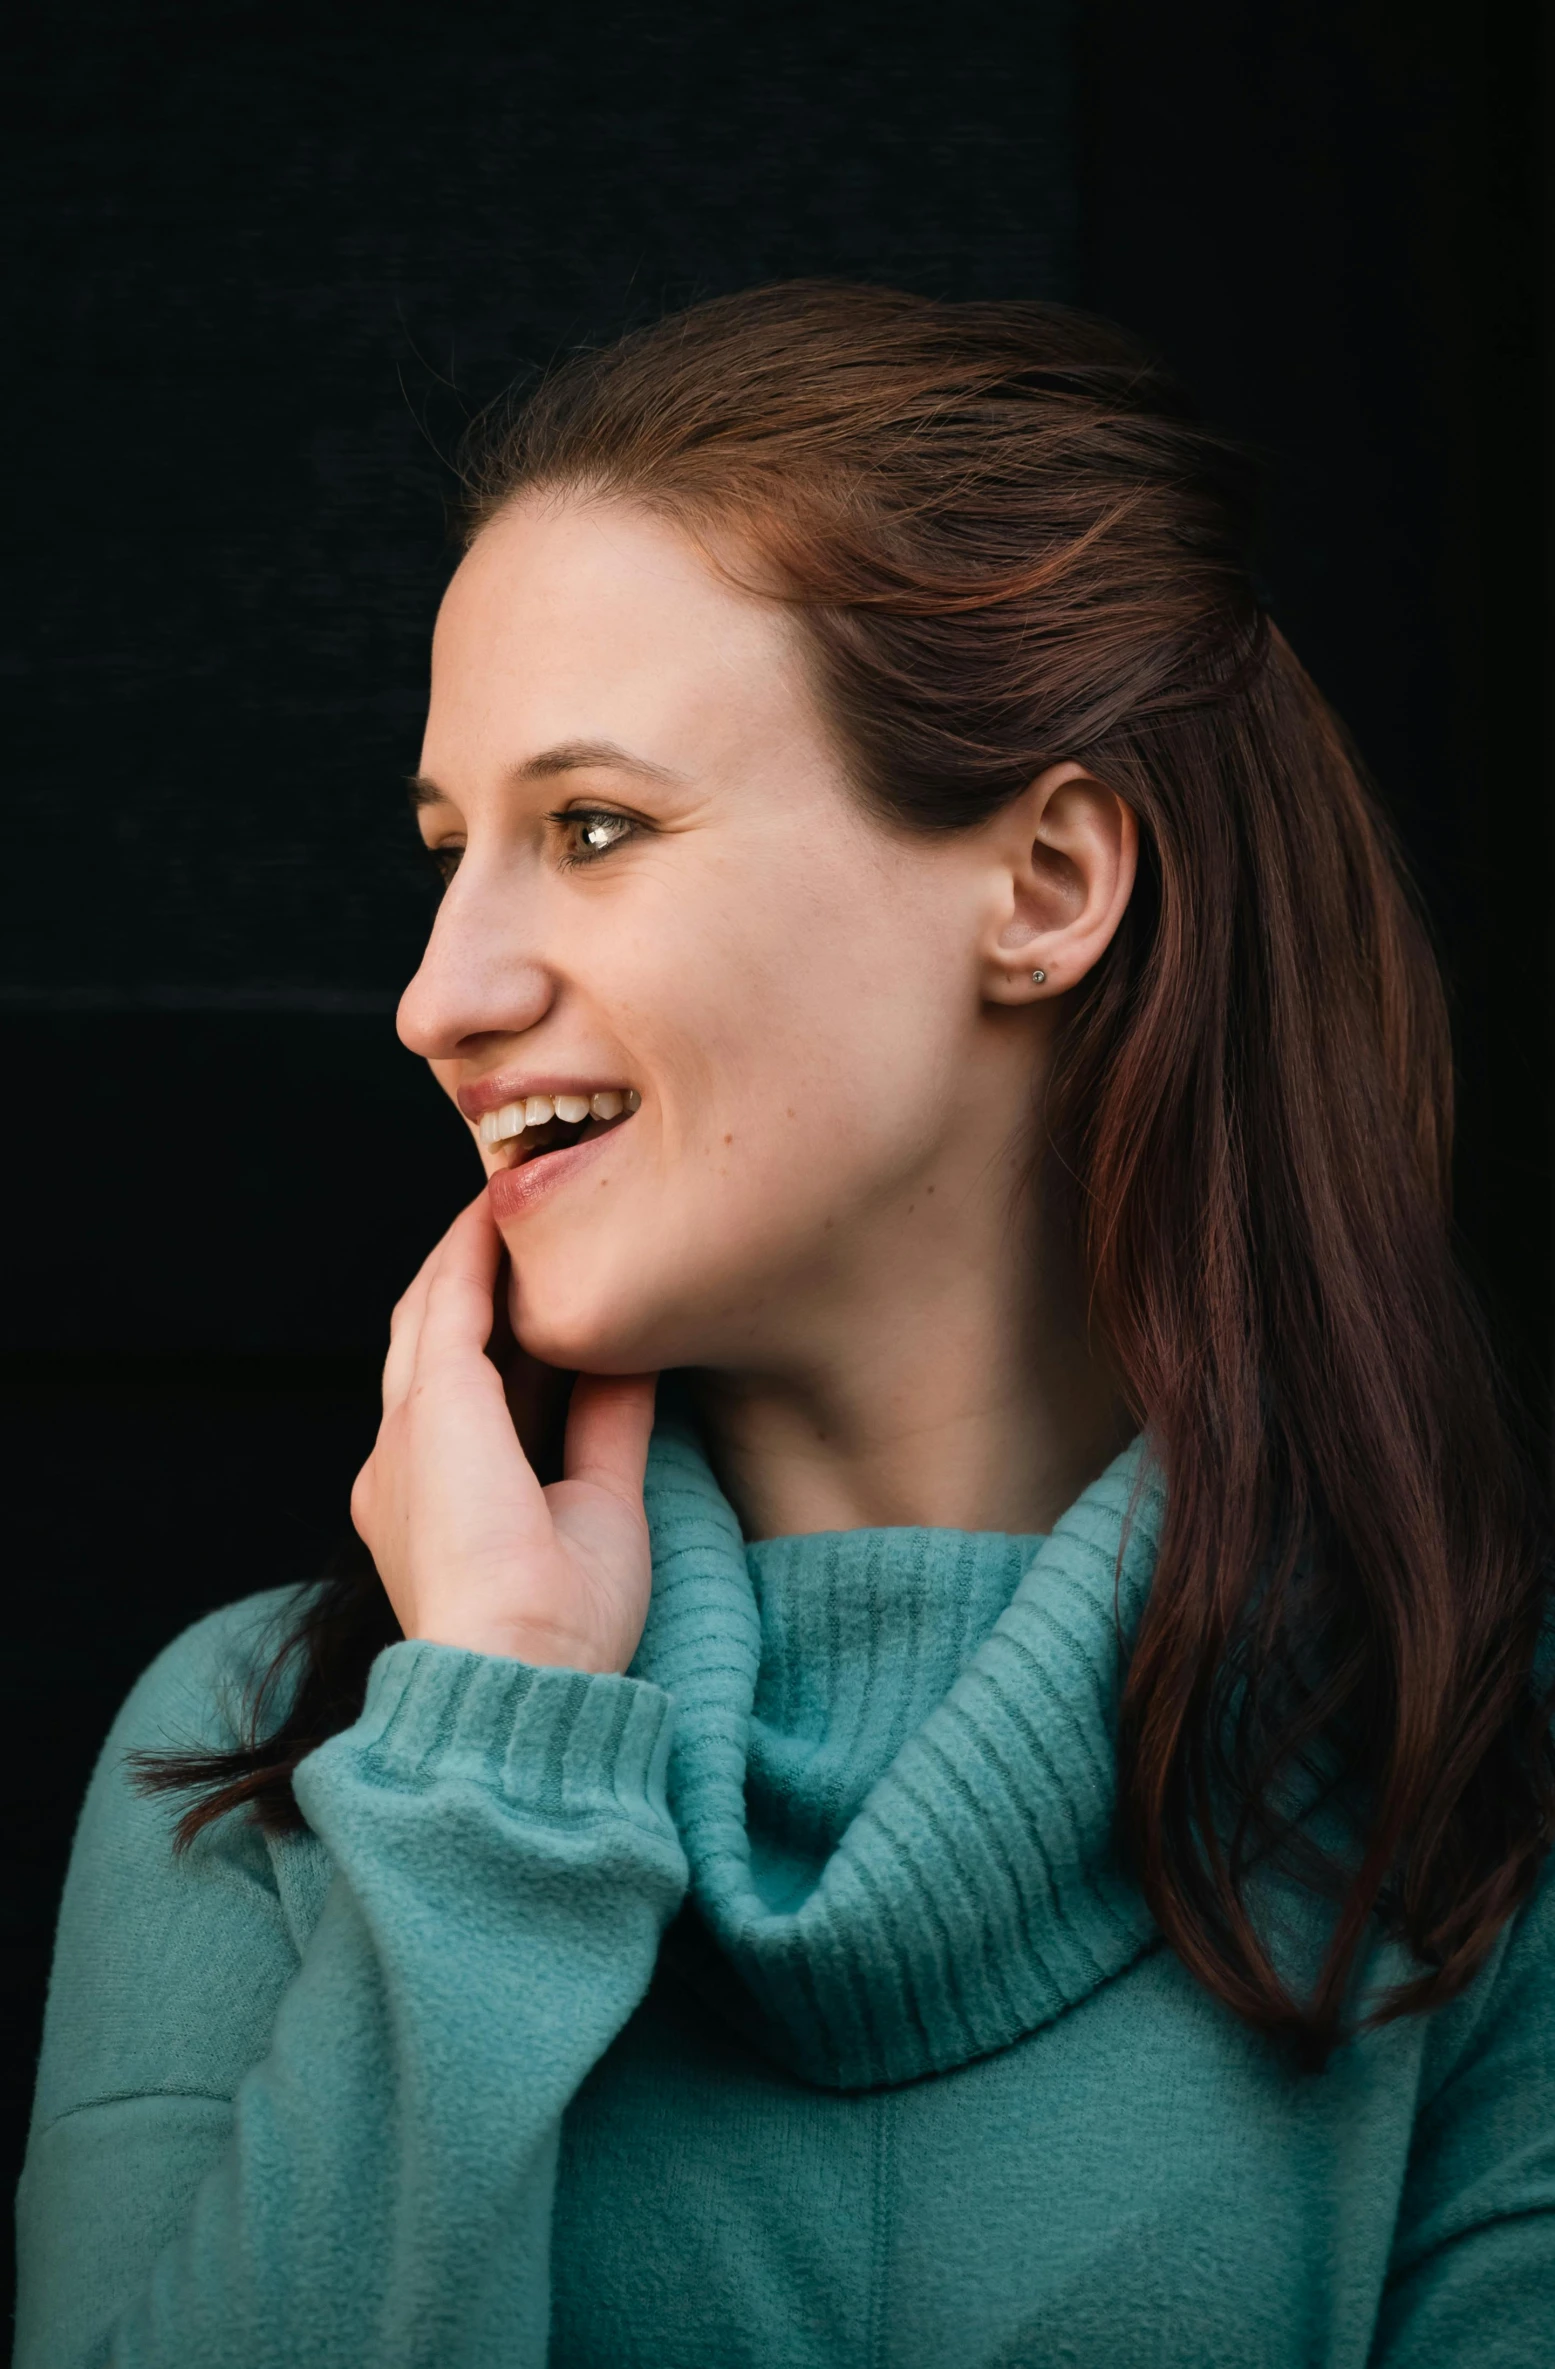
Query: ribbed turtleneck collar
[893,1770]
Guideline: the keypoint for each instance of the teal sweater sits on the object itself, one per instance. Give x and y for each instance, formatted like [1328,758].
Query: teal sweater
[780,2003]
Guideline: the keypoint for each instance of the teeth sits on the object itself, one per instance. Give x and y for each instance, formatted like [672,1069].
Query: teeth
[500,1126]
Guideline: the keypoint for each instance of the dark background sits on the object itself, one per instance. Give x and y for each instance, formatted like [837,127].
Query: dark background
[264,263]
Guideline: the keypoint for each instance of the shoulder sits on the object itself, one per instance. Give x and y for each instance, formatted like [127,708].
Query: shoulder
[168,1965]
[196,1693]
[1474,2239]
[1504,2023]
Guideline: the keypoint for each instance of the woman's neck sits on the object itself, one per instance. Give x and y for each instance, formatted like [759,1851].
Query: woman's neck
[980,1415]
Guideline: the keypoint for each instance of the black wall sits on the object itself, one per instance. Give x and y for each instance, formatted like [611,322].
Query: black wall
[264,261]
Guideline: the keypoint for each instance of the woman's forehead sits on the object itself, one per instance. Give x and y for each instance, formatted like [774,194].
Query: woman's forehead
[573,637]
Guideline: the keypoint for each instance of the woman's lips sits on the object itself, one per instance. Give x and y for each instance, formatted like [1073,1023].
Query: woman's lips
[513,1191]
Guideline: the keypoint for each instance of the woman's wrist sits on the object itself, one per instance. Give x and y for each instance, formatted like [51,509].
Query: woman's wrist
[541,1649]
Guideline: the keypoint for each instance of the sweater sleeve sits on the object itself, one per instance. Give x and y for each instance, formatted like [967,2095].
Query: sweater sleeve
[257,2143]
[1472,2277]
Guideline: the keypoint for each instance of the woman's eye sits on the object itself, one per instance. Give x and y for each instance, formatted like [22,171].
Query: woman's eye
[589,833]
[445,861]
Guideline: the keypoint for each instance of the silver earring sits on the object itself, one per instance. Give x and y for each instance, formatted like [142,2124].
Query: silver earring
[1039,978]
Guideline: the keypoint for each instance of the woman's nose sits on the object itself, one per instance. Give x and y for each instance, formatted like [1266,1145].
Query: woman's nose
[473,980]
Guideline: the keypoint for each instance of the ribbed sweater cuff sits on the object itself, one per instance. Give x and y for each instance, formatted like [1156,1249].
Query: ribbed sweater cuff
[565,1743]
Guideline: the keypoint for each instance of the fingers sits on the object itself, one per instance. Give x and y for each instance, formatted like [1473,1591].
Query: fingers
[608,1425]
[458,1313]
[405,1324]
[474,1246]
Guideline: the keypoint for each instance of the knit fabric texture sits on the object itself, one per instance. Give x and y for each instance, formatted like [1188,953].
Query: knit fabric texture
[892,1770]
[778,2004]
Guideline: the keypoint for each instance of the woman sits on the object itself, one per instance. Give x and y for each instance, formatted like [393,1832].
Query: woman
[1012,1832]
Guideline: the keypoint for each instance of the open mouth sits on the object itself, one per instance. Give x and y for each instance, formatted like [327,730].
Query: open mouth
[523,1131]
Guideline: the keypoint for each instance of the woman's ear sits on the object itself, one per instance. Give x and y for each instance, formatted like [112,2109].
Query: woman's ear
[1064,857]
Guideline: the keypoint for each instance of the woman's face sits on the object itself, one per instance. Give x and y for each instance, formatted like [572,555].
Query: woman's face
[661,886]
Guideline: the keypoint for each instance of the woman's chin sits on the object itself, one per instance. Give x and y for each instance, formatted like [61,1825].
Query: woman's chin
[578,1340]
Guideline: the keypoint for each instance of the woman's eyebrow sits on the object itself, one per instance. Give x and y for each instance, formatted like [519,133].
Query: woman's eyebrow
[574,756]
[568,756]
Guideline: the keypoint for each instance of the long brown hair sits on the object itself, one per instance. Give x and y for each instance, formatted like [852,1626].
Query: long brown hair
[1011,542]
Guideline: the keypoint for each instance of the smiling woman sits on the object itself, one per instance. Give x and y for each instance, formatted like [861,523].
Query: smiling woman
[1045,1733]
[831,1026]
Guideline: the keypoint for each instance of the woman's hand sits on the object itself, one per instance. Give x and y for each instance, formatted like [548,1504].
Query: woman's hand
[471,1549]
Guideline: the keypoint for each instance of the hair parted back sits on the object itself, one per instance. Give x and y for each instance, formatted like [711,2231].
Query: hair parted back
[1011,542]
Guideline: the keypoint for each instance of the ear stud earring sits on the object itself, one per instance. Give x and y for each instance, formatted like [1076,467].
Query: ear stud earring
[1039,978]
